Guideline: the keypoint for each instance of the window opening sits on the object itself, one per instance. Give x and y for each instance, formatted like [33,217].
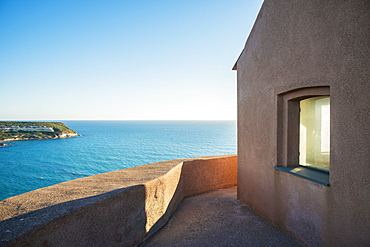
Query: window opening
[314,133]
[303,133]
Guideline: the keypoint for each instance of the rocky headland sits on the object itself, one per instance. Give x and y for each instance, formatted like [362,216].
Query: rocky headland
[20,131]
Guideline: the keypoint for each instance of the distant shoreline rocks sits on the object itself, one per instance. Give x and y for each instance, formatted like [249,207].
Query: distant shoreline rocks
[37,138]
[4,145]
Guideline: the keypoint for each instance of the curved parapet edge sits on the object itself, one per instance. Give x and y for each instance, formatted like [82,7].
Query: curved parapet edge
[119,208]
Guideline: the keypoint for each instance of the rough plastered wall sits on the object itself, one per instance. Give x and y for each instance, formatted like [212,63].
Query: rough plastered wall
[298,44]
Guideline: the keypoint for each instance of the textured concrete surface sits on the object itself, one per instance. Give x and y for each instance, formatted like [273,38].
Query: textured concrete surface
[217,218]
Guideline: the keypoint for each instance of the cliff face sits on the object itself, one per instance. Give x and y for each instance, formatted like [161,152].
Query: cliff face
[66,135]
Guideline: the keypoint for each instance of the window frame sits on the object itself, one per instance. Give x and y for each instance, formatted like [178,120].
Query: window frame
[288,104]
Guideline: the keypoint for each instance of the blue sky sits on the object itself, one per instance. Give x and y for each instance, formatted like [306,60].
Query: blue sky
[121,59]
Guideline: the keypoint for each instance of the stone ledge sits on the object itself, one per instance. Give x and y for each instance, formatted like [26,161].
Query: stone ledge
[119,208]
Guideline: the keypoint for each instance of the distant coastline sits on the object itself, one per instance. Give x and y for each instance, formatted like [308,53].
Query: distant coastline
[22,131]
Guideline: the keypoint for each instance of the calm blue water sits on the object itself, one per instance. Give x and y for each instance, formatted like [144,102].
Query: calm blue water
[107,146]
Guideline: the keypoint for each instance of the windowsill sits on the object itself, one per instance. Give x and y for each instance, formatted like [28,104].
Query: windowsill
[306,173]
[318,168]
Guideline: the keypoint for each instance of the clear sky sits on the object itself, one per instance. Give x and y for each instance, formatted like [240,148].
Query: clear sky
[121,59]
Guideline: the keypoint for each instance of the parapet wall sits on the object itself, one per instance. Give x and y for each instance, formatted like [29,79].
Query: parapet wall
[120,208]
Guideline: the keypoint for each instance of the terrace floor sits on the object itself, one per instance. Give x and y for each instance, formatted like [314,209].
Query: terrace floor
[217,218]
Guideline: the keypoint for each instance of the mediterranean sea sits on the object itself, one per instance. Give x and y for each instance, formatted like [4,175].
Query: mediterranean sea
[107,146]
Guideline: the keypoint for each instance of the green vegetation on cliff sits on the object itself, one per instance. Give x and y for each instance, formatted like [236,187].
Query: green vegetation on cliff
[60,130]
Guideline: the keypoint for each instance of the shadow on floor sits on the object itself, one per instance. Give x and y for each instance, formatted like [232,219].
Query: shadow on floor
[217,218]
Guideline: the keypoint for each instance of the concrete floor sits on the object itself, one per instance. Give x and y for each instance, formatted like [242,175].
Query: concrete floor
[217,218]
